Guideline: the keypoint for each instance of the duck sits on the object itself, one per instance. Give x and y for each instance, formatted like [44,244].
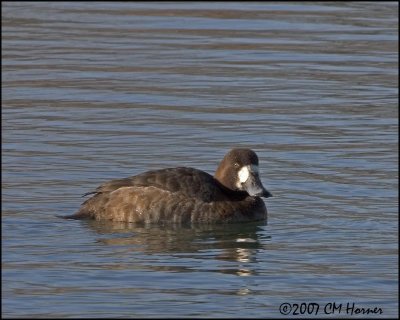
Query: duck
[183,195]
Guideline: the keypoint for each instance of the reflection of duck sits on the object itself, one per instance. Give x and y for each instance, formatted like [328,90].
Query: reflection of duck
[184,194]
[237,243]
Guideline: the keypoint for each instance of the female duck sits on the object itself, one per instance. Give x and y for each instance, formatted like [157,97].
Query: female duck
[180,195]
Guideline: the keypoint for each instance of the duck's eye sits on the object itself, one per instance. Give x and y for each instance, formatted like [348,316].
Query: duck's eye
[236,165]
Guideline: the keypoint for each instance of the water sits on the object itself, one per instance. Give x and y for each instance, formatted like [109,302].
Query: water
[96,92]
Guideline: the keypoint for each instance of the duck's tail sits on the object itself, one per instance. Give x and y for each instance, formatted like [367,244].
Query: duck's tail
[79,215]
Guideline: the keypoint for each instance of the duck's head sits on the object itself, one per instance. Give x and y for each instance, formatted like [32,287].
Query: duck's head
[238,171]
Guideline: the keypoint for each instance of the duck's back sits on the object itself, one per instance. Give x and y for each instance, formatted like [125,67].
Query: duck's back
[187,182]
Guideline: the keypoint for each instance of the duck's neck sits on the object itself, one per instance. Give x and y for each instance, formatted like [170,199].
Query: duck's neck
[223,176]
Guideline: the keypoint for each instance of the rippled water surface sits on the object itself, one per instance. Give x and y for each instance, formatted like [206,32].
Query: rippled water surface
[95,91]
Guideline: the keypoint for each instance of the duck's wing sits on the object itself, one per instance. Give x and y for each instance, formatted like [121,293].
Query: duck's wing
[187,181]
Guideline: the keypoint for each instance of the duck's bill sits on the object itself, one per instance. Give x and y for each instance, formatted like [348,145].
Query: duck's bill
[254,187]
[265,194]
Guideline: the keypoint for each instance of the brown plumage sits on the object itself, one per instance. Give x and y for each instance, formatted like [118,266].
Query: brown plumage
[181,195]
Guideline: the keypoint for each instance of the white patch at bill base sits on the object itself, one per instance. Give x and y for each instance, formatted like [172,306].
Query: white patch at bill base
[243,174]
